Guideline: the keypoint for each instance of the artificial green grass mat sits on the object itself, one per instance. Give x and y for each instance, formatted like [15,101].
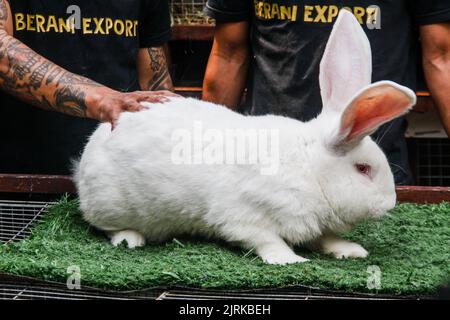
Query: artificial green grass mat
[411,248]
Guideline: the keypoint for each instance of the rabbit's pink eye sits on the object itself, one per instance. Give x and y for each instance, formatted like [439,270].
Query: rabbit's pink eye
[363,169]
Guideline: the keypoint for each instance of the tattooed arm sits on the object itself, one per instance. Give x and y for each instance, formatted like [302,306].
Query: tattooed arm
[36,80]
[153,71]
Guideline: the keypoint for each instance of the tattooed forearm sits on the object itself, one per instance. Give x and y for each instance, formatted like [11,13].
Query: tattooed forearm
[160,79]
[53,74]
[38,74]
[36,80]
[72,99]
[3,13]
[30,77]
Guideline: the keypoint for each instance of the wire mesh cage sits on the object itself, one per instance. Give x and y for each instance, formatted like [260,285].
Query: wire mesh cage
[188,12]
[432,161]
[17,218]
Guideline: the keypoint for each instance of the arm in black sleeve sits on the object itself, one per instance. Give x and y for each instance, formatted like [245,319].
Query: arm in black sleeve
[154,26]
[228,10]
[154,32]
[430,11]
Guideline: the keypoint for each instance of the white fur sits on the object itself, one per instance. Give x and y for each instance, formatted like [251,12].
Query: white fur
[133,238]
[127,181]
[354,58]
[340,248]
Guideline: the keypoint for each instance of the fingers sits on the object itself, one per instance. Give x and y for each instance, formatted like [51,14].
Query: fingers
[132,106]
[154,99]
[114,117]
[156,96]
[167,93]
[111,108]
[145,105]
[135,98]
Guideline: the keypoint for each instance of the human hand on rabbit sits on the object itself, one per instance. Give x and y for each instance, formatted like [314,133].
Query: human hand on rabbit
[106,105]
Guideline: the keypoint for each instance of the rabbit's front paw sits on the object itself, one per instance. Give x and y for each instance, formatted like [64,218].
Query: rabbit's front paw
[349,250]
[283,258]
[133,238]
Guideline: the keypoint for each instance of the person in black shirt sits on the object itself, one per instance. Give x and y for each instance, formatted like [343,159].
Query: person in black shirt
[274,47]
[88,60]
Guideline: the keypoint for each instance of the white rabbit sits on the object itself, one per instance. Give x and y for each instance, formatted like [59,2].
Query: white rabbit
[330,175]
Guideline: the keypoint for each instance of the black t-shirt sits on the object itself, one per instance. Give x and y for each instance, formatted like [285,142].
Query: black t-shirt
[104,48]
[288,39]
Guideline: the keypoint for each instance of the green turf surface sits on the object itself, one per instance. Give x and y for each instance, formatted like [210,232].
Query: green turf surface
[411,247]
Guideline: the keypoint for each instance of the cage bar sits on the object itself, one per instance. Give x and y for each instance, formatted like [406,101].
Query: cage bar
[189,12]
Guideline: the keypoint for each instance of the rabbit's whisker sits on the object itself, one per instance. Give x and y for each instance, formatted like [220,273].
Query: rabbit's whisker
[397,166]
[378,141]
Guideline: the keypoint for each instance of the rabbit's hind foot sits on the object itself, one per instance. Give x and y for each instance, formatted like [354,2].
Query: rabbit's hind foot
[283,258]
[133,238]
[341,248]
[276,251]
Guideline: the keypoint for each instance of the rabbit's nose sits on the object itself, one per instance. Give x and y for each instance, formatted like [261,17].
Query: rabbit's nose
[390,203]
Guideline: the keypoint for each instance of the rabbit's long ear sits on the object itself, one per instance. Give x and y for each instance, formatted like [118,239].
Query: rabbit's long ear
[346,65]
[369,109]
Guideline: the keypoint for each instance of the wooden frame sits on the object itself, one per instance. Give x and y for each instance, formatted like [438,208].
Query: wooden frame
[42,184]
[193,32]
[39,184]
[418,194]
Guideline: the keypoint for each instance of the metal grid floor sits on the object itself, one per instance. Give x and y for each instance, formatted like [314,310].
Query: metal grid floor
[34,292]
[293,293]
[23,288]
